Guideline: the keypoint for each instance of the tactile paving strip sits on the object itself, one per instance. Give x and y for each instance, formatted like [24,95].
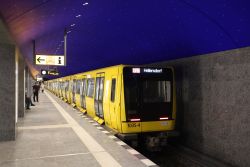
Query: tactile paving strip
[132,151]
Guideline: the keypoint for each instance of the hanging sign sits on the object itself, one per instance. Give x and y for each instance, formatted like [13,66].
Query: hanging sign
[55,60]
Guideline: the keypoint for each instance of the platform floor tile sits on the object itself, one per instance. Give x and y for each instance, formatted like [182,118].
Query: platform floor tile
[53,134]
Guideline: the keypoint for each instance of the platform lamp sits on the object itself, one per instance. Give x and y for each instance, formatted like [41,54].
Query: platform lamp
[65,46]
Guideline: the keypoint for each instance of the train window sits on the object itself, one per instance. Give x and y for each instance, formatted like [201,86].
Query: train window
[78,85]
[131,95]
[61,84]
[155,91]
[84,86]
[97,88]
[74,86]
[90,87]
[81,87]
[67,86]
[113,84]
[71,86]
[101,88]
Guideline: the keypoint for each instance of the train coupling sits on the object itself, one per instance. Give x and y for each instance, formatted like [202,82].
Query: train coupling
[157,141]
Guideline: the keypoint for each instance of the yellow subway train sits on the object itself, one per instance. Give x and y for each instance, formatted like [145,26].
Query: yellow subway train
[134,101]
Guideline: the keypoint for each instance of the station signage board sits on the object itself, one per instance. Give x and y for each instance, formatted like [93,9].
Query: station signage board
[53,73]
[55,60]
[49,72]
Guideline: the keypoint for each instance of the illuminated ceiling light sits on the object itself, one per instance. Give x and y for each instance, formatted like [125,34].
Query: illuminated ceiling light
[69,32]
[85,4]
[77,16]
[62,41]
[72,25]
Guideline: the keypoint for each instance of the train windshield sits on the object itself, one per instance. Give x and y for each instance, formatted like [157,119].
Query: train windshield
[155,91]
[131,96]
[148,96]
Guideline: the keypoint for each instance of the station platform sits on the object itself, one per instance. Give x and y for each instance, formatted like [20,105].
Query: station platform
[54,134]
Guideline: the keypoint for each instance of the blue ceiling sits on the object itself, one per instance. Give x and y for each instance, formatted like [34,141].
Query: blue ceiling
[110,32]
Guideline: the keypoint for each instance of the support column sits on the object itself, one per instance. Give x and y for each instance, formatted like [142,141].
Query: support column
[28,82]
[8,63]
[7,92]
[21,86]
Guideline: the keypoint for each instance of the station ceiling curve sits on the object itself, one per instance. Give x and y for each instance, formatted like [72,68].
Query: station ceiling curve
[111,32]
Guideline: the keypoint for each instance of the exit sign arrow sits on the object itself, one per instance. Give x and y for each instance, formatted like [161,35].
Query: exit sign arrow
[39,59]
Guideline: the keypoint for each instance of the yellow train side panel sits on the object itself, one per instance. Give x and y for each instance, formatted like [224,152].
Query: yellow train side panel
[123,113]
[114,112]
[120,99]
[90,106]
[111,109]
[90,100]
[106,97]
[77,95]
[78,103]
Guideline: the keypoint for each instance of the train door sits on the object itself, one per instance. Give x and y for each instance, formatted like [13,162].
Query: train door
[70,90]
[112,103]
[61,88]
[99,89]
[83,92]
[74,92]
[66,89]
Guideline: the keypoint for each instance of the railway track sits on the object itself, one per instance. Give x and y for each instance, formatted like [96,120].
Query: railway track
[179,156]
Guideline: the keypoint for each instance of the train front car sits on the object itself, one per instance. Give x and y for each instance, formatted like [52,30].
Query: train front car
[150,105]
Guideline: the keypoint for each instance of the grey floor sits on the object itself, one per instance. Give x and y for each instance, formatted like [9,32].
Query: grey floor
[46,139]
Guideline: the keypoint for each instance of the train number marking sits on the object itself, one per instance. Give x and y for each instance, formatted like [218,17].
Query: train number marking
[133,125]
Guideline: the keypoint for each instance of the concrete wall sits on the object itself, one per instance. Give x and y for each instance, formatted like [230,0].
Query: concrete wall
[213,103]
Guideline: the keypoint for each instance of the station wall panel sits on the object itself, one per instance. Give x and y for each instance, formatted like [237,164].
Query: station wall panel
[213,102]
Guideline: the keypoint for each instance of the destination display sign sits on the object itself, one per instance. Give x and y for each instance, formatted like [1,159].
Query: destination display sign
[146,70]
[55,60]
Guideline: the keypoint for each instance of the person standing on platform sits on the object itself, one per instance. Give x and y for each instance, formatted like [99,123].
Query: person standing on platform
[28,102]
[42,87]
[36,88]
